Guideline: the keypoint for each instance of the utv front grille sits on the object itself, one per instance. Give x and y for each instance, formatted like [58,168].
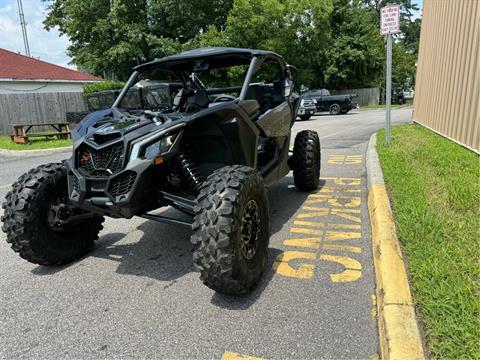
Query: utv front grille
[101,163]
[123,183]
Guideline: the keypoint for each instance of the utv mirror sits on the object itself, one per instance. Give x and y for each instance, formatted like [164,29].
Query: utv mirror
[288,88]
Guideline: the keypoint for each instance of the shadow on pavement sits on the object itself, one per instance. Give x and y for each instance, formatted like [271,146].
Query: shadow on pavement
[245,301]
[284,201]
[163,252]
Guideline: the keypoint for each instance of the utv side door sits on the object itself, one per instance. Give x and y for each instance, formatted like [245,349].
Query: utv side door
[275,117]
[276,108]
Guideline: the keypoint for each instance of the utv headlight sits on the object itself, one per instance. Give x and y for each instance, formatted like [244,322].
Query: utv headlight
[302,102]
[159,147]
[157,143]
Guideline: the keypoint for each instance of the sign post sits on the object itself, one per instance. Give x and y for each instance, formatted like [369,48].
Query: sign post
[389,24]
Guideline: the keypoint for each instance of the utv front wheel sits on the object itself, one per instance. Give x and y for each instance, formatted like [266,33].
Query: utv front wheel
[305,117]
[305,161]
[231,230]
[40,224]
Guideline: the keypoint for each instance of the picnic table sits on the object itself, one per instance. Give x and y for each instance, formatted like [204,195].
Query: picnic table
[21,132]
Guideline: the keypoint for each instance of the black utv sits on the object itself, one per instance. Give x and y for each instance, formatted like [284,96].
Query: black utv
[204,131]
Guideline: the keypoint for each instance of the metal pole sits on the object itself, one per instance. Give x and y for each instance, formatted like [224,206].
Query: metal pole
[388,95]
[24,27]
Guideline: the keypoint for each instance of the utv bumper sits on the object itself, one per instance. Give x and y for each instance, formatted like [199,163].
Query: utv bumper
[124,194]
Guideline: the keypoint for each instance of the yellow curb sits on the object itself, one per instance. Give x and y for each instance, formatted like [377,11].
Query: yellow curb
[398,329]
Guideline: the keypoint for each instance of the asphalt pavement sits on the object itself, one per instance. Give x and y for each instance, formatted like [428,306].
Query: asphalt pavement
[137,295]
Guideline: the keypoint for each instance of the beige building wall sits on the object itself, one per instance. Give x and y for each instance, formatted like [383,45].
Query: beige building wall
[447,90]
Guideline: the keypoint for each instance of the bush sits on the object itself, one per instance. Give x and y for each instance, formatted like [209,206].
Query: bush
[101,86]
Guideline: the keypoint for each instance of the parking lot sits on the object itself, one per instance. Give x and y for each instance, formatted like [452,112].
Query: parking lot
[138,295]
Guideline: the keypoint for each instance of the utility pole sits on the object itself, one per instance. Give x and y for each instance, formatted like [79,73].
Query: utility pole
[24,27]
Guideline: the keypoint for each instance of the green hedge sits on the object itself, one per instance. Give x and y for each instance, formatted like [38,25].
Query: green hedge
[102,86]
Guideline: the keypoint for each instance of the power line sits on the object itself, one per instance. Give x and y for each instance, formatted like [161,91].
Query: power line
[24,27]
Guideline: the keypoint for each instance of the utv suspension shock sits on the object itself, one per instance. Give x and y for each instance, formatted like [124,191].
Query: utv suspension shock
[190,172]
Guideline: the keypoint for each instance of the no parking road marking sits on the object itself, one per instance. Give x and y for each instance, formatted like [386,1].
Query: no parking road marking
[227,355]
[327,217]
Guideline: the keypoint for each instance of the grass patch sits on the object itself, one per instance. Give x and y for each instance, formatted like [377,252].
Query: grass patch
[33,144]
[435,192]
[394,106]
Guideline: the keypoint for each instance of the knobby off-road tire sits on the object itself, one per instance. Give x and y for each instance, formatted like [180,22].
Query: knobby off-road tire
[305,161]
[232,208]
[26,213]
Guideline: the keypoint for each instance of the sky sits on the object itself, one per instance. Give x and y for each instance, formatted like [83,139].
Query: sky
[419,5]
[46,45]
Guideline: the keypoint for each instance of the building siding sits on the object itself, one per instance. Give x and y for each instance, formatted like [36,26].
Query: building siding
[18,87]
[447,90]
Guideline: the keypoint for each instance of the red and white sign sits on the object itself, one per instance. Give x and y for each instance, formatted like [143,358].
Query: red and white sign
[390,19]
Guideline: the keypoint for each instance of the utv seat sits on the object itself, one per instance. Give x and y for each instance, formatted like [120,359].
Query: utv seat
[256,92]
[198,99]
[192,99]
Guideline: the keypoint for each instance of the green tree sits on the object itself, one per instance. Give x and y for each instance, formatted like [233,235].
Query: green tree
[409,26]
[355,55]
[407,8]
[411,35]
[403,66]
[296,29]
[185,20]
[109,37]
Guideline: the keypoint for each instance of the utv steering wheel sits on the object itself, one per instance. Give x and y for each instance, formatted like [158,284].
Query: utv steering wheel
[224,98]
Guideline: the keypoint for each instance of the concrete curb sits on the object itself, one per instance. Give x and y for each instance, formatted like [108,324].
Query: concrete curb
[397,324]
[34,152]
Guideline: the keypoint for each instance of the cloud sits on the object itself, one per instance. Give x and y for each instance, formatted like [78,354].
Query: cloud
[46,45]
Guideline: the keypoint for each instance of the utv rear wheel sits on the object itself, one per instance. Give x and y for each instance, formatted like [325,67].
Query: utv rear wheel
[231,230]
[40,224]
[334,109]
[305,161]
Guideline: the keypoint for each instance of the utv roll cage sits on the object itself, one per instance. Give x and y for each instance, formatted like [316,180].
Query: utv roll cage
[189,62]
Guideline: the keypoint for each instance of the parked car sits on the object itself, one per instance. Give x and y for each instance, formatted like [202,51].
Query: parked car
[307,108]
[334,104]
[206,149]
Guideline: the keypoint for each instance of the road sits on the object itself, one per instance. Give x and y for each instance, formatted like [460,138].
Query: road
[138,295]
